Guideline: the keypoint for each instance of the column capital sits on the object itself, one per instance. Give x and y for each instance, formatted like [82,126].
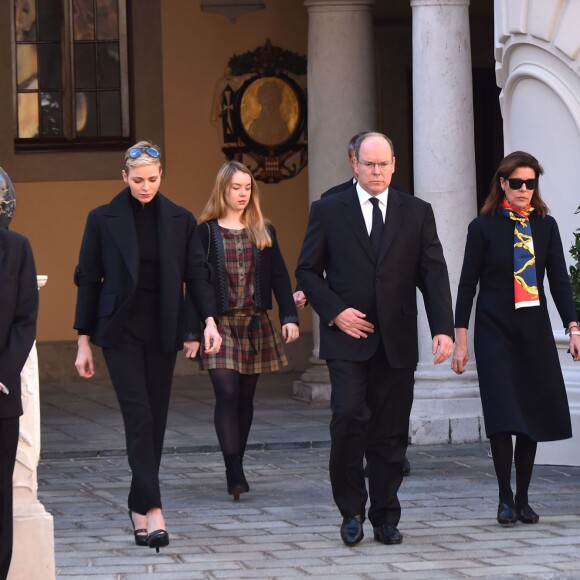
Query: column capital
[338,5]
[415,3]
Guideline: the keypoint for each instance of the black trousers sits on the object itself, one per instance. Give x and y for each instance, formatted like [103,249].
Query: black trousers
[9,429]
[142,377]
[371,404]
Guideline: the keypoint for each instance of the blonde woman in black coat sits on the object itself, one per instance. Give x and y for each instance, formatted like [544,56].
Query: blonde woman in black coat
[137,253]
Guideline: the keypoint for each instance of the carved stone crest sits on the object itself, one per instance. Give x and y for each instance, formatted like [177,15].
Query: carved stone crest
[260,112]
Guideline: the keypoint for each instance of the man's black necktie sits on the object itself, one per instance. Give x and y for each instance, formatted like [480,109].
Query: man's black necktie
[377,226]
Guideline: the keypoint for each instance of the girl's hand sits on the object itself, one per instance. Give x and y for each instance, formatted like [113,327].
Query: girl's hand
[290,332]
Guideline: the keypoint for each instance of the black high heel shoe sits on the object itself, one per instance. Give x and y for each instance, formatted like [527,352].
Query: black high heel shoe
[236,480]
[158,539]
[141,537]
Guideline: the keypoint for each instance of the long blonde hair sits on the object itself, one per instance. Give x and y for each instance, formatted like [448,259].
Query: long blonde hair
[255,223]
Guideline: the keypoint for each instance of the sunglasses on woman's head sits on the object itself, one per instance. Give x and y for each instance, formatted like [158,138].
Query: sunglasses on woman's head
[516,183]
[138,151]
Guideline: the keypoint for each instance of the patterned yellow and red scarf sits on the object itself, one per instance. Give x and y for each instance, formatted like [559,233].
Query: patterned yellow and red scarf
[525,280]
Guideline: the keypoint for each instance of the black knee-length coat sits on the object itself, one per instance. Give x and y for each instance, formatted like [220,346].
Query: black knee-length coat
[520,379]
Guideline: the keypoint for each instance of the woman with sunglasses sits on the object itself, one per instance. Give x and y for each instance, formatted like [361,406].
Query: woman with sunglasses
[510,248]
[247,264]
[136,254]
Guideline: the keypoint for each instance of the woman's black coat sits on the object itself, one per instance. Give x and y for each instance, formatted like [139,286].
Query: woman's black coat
[520,379]
[107,272]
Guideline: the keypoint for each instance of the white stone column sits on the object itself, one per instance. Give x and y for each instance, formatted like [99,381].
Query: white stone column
[341,103]
[33,553]
[447,407]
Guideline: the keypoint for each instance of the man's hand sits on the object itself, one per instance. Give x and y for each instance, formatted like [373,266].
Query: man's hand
[442,348]
[191,347]
[353,323]
[300,299]
[211,337]
[84,363]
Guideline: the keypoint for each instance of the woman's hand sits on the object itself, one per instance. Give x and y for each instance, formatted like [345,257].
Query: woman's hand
[300,299]
[460,354]
[84,364]
[575,346]
[211,337]
[191,348]
[290,332]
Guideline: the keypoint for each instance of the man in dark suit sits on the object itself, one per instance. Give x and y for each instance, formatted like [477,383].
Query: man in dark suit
[18,312]
[337,189]
[360,272]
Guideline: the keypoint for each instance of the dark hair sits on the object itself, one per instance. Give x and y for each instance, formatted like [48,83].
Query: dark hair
[352,145]
[506,167]
[363,136]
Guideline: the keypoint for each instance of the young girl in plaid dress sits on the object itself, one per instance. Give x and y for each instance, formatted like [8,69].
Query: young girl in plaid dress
[247,266]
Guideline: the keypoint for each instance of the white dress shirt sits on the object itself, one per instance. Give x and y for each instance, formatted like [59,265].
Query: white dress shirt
[367,207]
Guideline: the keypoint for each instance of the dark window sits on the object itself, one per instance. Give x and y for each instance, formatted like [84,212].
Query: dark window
[71,73]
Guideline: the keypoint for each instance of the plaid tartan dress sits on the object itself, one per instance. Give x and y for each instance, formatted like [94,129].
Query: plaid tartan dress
[250,344]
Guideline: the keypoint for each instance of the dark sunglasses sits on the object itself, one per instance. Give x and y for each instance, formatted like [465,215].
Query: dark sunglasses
[516,183]
[138,151]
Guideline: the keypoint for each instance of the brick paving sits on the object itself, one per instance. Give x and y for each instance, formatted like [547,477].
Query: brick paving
[287,526]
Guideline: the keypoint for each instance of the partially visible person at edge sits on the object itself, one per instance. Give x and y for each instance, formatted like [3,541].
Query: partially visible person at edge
[299,296]
[136,254]
[351,162]
[366,251]
[510,248]
[18,314]
[247,266]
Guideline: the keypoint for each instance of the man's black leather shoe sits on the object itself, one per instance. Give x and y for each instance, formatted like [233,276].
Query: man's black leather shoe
[351,530]
[506,515]
[527,515]
[387,534]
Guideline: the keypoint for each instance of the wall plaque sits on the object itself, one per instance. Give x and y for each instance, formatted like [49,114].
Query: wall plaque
[260,112]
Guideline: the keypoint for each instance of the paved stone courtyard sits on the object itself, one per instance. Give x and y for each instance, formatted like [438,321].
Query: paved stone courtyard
[287,526]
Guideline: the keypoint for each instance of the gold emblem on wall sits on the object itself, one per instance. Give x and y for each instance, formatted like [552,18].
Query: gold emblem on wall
[261,112]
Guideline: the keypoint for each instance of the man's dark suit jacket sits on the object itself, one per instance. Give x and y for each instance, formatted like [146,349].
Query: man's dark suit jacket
[108,270]
[18,312]
[338,188]
[337,243]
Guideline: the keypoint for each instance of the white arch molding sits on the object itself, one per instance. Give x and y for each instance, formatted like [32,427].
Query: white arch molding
[538,68]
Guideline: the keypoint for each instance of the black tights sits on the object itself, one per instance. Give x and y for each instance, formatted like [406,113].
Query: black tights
[234,408]
[502,452]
